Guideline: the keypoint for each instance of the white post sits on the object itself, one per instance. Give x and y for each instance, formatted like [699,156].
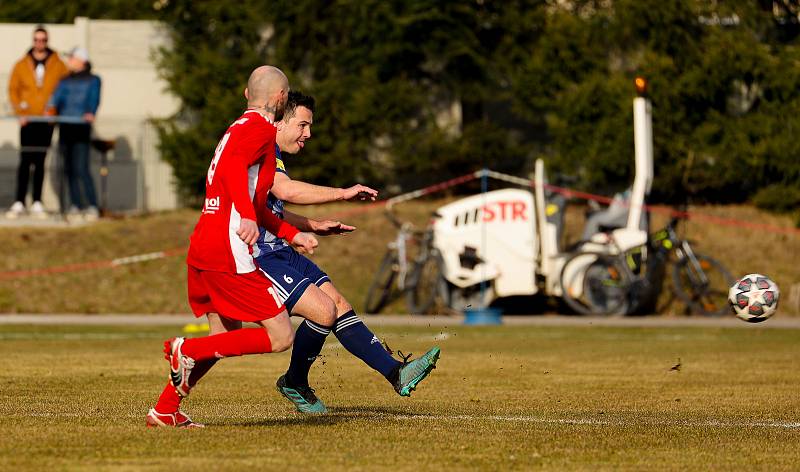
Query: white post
[82,32]
[643,154]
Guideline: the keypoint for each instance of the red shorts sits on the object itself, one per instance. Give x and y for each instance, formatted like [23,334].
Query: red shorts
[244,297]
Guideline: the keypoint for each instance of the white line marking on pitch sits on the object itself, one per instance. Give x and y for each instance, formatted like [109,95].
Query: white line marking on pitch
[592,422]
[515,419]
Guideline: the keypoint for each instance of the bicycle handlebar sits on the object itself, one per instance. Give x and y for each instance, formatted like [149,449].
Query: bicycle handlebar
[405,225]
[395,221]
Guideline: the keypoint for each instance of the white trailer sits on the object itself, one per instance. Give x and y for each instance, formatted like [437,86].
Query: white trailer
[507,242]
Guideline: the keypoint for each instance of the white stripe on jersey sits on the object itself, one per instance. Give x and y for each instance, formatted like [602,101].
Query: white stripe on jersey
[324,277]
[239,249]
[252,179]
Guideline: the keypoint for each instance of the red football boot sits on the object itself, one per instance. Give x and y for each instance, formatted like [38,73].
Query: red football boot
[178,419]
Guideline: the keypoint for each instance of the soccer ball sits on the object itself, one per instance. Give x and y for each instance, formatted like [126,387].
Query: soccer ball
[754,298]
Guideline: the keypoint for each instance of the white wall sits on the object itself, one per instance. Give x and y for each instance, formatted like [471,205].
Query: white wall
[121,54]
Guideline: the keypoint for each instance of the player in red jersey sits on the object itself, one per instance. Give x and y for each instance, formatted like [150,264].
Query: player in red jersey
[223,282]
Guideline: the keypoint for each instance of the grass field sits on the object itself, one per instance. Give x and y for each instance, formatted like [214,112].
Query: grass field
[159,286]
[503,398]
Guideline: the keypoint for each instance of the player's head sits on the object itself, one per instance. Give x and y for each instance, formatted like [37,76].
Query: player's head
[267,89]
[295,127]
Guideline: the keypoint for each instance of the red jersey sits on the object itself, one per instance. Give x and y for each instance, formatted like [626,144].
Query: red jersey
[238,181]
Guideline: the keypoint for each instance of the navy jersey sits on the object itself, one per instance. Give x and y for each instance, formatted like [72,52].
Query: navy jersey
[268,242]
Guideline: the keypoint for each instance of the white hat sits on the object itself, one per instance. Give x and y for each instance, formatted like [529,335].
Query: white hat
[80,53]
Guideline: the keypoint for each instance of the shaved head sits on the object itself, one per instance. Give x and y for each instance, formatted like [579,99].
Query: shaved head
[267,89]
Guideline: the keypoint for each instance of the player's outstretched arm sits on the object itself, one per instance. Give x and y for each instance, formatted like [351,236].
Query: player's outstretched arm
[303,193]
[318,227]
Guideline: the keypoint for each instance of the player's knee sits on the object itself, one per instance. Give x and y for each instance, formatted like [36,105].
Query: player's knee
[329,314]
[340,303]
[281,340]
[342,306]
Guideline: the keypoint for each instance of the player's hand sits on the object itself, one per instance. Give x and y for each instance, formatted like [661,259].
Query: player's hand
[23,120]
[329,227]
[304,243]
[88,117]
[248,231]
[359,192]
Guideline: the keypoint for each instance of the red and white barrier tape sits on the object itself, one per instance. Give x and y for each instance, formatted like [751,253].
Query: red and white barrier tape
[14,274]
[569,193]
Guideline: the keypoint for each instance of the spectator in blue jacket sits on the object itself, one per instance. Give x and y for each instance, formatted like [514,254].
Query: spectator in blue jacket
[76,99]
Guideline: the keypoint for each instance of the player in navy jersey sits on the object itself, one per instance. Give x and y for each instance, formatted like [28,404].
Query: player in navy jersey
[305,289]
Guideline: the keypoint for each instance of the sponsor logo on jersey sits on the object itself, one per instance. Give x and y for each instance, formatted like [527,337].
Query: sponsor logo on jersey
[279,165]
[211,206]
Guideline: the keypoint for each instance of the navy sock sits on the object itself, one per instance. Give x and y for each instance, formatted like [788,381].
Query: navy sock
[360,341]
[308,341]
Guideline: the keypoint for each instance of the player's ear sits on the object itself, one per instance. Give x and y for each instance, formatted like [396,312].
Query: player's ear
[279,124]
[246,94]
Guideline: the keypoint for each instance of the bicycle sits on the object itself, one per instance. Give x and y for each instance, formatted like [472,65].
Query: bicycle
[618,282]
[420,278]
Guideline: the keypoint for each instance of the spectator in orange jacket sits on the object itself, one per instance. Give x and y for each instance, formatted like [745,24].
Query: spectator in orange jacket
[33,80]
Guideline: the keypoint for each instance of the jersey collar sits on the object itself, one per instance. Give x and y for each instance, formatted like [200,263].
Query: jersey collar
[259,114]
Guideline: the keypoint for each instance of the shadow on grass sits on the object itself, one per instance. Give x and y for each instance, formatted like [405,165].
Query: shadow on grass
[333,417]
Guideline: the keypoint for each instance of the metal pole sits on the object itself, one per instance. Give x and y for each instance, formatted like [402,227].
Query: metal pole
[484,189]
[61,178]
[103,183]
[643,158]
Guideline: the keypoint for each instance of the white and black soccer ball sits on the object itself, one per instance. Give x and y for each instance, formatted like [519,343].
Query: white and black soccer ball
[754,298]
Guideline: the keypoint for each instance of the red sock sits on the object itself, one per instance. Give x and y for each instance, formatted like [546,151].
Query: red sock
[169,401]
[239,342]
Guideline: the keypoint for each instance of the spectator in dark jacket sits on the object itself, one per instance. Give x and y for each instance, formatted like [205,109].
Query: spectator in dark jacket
[77,98]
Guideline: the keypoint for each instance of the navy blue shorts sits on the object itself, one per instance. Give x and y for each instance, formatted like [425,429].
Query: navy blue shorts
[290,274]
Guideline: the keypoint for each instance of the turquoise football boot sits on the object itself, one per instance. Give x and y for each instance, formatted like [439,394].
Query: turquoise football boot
[303,397]
[412,373]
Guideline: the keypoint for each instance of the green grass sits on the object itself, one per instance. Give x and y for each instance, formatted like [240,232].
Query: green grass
[159,286]
[503,398]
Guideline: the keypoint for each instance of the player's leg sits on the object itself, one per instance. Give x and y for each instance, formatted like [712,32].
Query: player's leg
[293,277]
[168,405]
[167,411]
[244,297]
[357,338]
[216,324]
[169,401]
[285,269]
[320,314]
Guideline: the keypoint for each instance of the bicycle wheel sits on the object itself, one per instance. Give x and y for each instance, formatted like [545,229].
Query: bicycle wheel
[596,284]
[707,297]
[427,290]
[380,290]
